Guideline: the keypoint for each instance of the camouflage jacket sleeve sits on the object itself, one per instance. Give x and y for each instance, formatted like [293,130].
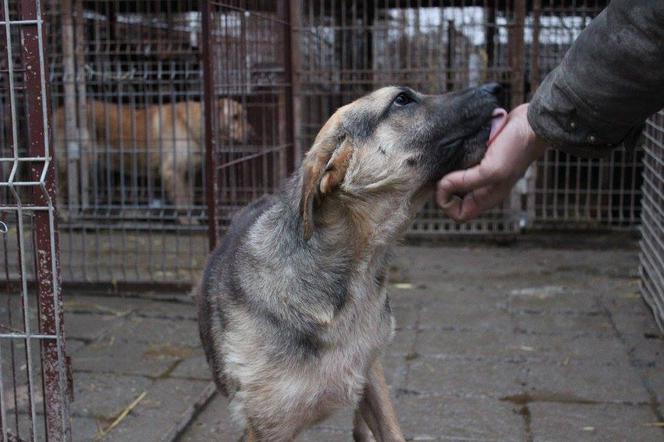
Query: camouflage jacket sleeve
[608,83]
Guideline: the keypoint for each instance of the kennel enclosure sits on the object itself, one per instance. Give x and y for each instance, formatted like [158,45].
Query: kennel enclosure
[289,65]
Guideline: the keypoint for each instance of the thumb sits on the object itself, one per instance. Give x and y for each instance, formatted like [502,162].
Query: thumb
[461,182]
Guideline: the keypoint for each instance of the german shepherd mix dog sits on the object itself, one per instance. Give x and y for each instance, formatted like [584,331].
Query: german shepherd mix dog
[293,309]
[167,139]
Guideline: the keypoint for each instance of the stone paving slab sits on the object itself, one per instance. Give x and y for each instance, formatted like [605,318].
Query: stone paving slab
[165,332]
[162,407]
[213,424]
[128,357]
[88,327]
[194,367]
[492,343]
[465,316]
[463,377]
[103,395]
[588,382]
[553,299]
[566,422]
[173,306]
[477,419]
[565,324]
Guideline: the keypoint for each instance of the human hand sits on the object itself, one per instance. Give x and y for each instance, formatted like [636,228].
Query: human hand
[490,182]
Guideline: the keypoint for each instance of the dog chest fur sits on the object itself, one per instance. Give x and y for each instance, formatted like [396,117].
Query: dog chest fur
[299,329]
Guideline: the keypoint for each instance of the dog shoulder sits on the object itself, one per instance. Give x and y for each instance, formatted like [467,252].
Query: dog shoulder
[240,225]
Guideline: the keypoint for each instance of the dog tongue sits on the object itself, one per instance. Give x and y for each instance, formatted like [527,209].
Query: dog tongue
[498,121]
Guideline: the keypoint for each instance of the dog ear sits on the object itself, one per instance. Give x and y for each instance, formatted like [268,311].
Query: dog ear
[336,168]
[323,168]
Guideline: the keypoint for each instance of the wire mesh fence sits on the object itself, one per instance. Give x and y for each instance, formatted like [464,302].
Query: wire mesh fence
[34,377]
[347,49]
[566,191]
[129,130]
[248,89]
[132,109]
[652,221]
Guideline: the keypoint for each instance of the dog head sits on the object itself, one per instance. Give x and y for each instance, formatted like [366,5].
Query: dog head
[395,143]
[233,122]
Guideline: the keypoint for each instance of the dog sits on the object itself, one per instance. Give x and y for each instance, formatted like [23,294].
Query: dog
[292,306]
[165,138]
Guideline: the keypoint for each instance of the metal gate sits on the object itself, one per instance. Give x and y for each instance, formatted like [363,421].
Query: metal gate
[34,382]
[652,218]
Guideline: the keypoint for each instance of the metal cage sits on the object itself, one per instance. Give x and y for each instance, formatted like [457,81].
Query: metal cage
[130,92]
[346,49]
[128,127]
[248,74]
[34,381]
[652,218]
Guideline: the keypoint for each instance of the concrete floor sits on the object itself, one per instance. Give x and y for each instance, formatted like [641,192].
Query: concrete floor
[493,343]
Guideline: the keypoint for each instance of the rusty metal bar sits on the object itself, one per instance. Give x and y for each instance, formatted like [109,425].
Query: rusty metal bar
[284,12]
[535,75]
[72,134]
[294,11]
[517,52]
[54,363]
[82,99]
[209,118]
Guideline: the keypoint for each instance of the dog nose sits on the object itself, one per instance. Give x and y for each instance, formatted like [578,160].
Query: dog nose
[492,88]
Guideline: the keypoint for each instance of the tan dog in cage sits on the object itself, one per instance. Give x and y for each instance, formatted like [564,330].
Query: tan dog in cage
[167,139]
[293,308]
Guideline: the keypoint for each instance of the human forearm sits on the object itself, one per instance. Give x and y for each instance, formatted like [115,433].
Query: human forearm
[609,82]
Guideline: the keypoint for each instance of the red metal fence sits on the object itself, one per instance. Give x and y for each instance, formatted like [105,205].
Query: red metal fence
[34,382]
[288,65]
[248,60]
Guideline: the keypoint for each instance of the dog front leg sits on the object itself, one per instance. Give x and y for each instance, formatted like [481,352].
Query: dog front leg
[361,431]
[377,409]
[177,188]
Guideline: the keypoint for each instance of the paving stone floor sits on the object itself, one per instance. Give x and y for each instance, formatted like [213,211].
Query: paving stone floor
[519,343]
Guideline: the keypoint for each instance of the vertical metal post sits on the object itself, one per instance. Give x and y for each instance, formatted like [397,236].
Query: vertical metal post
[54,366]
[490,29]
[72,136]
[535,74]
[81,95]
[535,78]
[450,56]
[284,13]
[517,52]
[210,126]
[295,69]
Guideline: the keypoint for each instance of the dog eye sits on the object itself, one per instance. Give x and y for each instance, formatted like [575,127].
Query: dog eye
[403,99]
